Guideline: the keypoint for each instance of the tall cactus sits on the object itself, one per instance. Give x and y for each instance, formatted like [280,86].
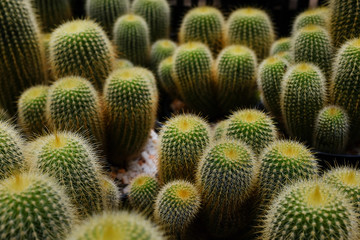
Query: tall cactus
[166,78]
[160,50]
[318,16]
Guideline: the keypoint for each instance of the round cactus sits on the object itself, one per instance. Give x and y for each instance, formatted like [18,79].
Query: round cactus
[280,45]
[183,140]
[33,207]
[31,109]
[166,79]
[116,225]
[143,191]
[111,192]
[81,48]
[220,130]
[122,63]
[317,16]
[253,28]
[131,37]
[160,50]
[204,24]
[253,127]
[331,132]
[235,72]
[311,210]
[287,56]
[157,15]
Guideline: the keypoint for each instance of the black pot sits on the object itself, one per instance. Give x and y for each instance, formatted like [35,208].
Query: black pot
[328,160]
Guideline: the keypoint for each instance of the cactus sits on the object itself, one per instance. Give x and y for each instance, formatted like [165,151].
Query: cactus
[303,94]
[52,13]
[220,130]
[160,50]
[331,132]
[270,76]
[166,79]
[183,140]
[253,28]
[74,105]
[157,15]
[195,82]
[344,20]
[33,207]
[22,60]
[116,225]
[280,45]
[224,165]
[122,63]
[81,48]
[143,191]
[176,206]
[106,12]
[31,109]
[287,56]
[111,199]
[317,16]
[204,24]
[130,100]
[310,210]
[235,72]
[131,37]
[312,44]
[253,127]
[68,158]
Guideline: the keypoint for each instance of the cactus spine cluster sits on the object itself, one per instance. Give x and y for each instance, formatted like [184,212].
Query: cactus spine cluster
[166,79]
[280,45]
[317,16]
[183,140]
[81,48]
[160,50]
[157,15]
[21,54]
[203,24]
[4,116]
[253,28]
[33,207]
[111,199]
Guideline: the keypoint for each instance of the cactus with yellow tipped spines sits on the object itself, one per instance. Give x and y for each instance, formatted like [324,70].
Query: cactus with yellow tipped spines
[287,56]
[220,130]
[160,50]
[318,16]
[166,78]
[280,45]
[122,63]
[111,194]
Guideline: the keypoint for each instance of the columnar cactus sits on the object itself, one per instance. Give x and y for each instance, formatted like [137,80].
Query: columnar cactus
[253,28]
[318,16]
[157,15]
[122,63]
[280,45]
[235,72]
[331,132]
[111,198]
[160,50]
[22,60]
[131,37]
[130,100]
[36,207]
[183,140]
[166,79]
[93,55]
[204,24]
[31,110]
[303,94]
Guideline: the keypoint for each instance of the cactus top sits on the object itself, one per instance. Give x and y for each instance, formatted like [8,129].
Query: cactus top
[317,16]
[280,45]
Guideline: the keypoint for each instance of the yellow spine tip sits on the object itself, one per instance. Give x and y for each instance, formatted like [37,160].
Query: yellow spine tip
[315,197]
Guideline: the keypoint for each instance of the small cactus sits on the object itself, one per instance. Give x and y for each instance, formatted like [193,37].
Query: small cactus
[220,130]
[111,198]
[4,116]
[280,45]
[287,56]
[160,50]
[317,16]
[166,79]
[122,63]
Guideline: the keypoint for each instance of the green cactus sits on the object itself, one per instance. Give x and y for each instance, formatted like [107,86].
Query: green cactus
[280,45]
[143,191]
[31,110]
[22,60]
[253,28]
[106,12]
[81,48]
[160,50]
[312,44]
[287,56]
[344,20]
[235,73]
[253,127]
[74,105]
[176,207]
[331,133]
[111,199]
[33,207]
[195,82]
[310,210]
[122,63]
[166,79]
[303,94]
[317,16]
[68,158]
[226,164]
[116,225]
[52,13]
[157,15]
[131,37]
[204,24]
[220,130]
[130,100]
[183,140]
[270,76]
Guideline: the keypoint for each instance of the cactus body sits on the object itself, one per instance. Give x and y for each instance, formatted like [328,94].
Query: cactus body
[203,24]
[183,140]
[220,130]
[122,63]
[287,56]
[166,78]
[111,199]
[131,37]
[22,61]
[157,15]
[253,28]
[36,207]
[280,45]
[93,55]
[318,16]
[160,50]
[331,130]
[303,94]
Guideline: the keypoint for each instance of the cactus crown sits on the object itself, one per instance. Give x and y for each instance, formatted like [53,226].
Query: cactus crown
[318,16]
[280,45]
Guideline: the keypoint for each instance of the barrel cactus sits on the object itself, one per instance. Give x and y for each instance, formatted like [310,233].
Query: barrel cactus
[318,16]
[280,45]
[160,50]
[166,78]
